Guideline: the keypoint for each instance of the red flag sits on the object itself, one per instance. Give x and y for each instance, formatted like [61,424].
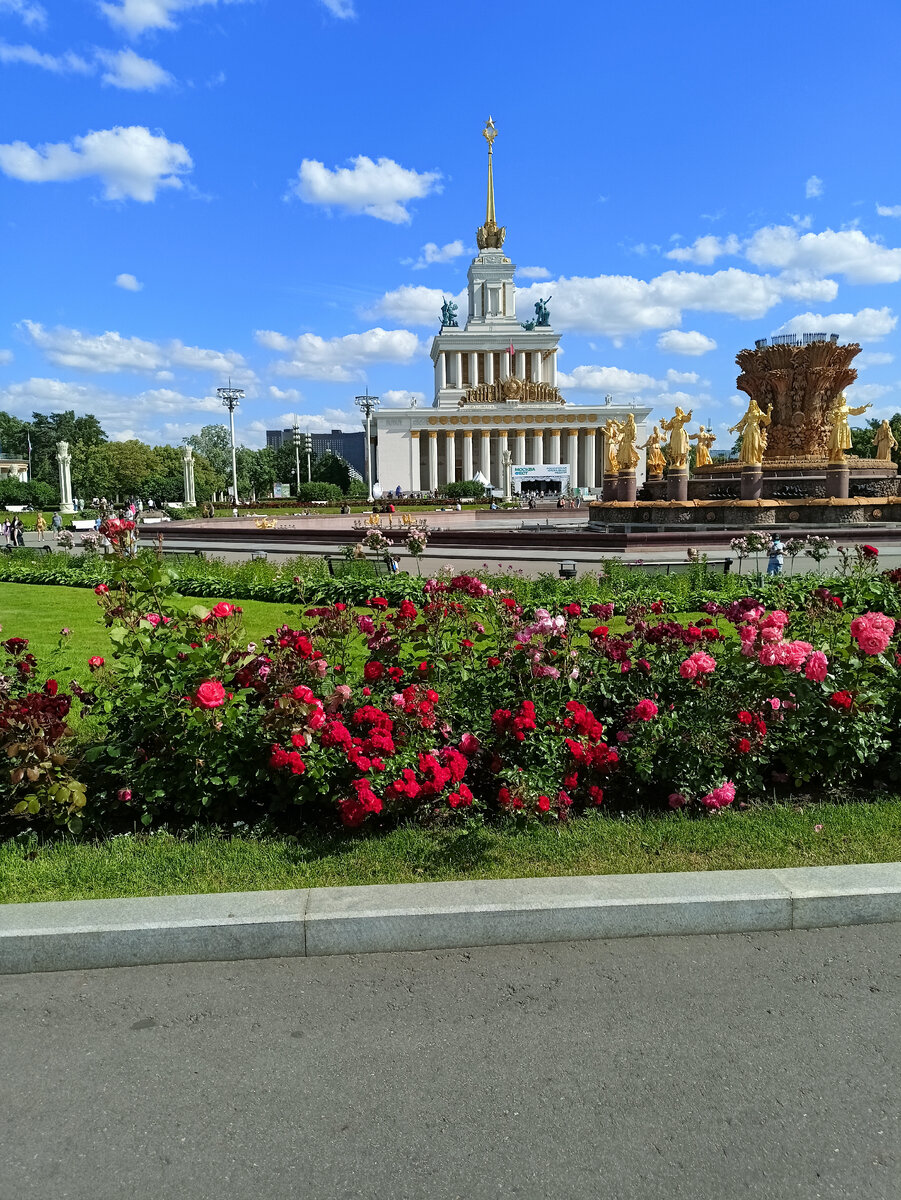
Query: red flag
[512,352]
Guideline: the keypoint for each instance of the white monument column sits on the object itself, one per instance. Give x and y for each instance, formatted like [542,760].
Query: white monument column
[489,367]
[485,465]
[442,370]
[555,446]
[433,460]
[572,453]
[187,455]
[536,366]
[519,451]
[415,483]
[450,456]
[458,368]
[473,368]
[538,445]
[552,362]
[590,460]
[64,462]
[520,364]
[501,453]
[467,454]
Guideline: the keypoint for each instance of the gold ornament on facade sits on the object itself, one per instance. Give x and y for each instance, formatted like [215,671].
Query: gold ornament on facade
[839,430]
[678,440]
[511,391]
[752,428]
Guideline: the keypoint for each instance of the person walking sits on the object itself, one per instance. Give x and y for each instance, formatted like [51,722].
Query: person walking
[775,556]
[56,524]
[41,526]
[18,531]
[7,530]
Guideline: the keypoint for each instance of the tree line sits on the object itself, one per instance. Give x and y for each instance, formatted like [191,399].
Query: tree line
[120,470]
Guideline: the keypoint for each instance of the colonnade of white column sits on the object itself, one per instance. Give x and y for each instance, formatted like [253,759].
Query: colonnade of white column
[460,453]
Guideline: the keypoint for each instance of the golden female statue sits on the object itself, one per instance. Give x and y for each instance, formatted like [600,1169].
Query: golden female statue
[752,428]
[839,432]
[885,442]
[705,439]
[627,454]
[678,438]
[612,431]
[656,461]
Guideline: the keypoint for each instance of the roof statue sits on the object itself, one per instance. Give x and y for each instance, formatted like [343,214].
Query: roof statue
[490,236]
[542,312]
[448,314]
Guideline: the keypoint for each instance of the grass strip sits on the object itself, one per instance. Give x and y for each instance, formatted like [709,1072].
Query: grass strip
[812,834]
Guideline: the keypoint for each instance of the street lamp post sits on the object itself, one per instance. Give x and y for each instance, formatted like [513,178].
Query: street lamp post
[367,405]
[308,446]
[230,397]
[296,432]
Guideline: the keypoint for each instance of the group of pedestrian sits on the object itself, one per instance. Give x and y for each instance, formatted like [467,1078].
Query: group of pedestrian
[14,531]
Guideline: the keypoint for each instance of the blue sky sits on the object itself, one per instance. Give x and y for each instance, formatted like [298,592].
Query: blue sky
[281,190]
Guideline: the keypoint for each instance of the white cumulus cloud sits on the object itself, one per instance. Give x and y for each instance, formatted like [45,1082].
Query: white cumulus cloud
[688,341]
[137,16]
[813,187]
[59,64]
[888,210]
[110,353]
[128,283]
[401,398]
[873,358]
[132,162]
[533,272]
[847,252]
[707,249]
[682,376]
[339,359]
[129,71]
[6,356]
[379,189]
[869,324]
[415,305]
[433,253]
[342,9]
[615,380]
[32,14]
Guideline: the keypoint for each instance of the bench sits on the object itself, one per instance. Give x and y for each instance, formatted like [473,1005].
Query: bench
[28,551]
[358,568]
[82,526]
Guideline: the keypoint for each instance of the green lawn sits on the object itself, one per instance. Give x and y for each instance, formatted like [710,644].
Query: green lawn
[158,864]
[40,612]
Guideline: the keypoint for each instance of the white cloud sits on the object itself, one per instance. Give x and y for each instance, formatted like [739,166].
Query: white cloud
[614,380]
[343,9]
[379,189]
[533,272]
[682,376]
[339,359]
[115,411]
[400,398]
[845,252]
[866,393]
[869,324]
[137,16]
[110,353]
[128,70]
[873,358]
[414,305]
[131,161]
[707,249]
[33,15]
[689,342]
[6,356]
[433,253]
[60,64]
[813,187]
[888,210]
[292,395]
[128,282]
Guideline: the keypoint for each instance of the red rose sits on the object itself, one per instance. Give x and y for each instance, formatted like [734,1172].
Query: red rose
[573,610]
[377,602]
[210,694]
[600,632]
[51,687]
[841,700]
[101,589]
[645,710]
[493,662]
[744,746]
[544,804]
[95,662]
[373,671]
[745,718]
[223,609]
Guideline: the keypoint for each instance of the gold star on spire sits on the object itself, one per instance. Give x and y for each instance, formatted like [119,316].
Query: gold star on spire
[490,235]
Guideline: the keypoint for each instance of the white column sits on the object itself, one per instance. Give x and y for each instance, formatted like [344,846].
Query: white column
[485,466]
[538,445]
[489,367]
[415,483]
[520,364]
[64,462]
[501,447]
[552,363]
[590,460]
[473,369]
[572,453]
[536,366]
[188,464]
[442,370]
[467,454]
[519,448]
[555,446]
[450,456]
[458,368]
[433,459]
[505,364]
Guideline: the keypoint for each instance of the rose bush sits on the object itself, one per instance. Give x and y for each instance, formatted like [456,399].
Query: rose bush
[460,704]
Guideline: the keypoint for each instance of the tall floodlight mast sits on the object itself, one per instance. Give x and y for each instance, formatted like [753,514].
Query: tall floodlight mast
[231,397]
[367,405]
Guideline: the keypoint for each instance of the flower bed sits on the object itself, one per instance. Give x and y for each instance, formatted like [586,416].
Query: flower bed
[456,706]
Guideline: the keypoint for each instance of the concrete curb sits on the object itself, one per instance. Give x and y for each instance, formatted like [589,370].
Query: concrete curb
[83,934]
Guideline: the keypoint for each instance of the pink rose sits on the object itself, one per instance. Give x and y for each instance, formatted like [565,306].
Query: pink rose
[770,633]
[720,797]
[769,655]
[677,800]
[123,795]
[873,642]
[688,669]
[470,744]
[817,667]
[210,694]
[153,618]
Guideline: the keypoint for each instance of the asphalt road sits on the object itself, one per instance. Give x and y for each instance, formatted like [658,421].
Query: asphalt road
[709,1067]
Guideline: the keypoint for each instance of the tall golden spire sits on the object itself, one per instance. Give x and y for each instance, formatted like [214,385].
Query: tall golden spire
[490,235]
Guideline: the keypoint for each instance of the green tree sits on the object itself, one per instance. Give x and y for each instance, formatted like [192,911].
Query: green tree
[329,468]
[863,437]
[13,435]
[214,443]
